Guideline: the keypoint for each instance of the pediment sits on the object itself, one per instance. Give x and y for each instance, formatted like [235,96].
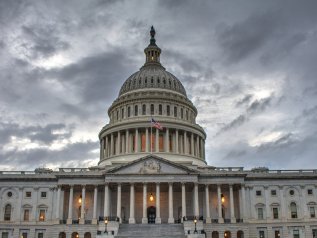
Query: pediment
[152,164]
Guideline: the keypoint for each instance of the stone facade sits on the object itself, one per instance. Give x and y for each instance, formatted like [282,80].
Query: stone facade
[149,175]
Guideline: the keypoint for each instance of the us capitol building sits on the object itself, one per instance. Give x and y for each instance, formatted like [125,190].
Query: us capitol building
[155,182]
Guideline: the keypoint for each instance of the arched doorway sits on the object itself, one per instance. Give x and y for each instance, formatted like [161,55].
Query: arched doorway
[75,235]
[240,234]
[62,235]
[87,235]
[215,234]
[151,214]
[227,234]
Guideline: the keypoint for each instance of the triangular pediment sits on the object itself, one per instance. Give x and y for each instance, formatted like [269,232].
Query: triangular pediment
[152,164]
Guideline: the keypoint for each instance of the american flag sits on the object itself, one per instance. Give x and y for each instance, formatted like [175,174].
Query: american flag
[156,124]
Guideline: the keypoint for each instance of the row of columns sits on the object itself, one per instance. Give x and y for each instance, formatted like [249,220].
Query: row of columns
[132,203]
[122,142]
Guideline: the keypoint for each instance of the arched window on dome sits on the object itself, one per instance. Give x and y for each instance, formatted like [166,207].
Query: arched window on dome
[293,209]
[160,109]
[143,109]
[136,110]
[152,109]
[186,115]
[170,83]
[164,82]
[145,81]
[129,111]
[152,80]
[182,113]
[7,212]
[122,113]
[168,113]
[175,111]
[158,81]
[117,115]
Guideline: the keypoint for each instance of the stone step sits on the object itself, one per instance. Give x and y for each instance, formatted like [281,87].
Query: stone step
[151,230]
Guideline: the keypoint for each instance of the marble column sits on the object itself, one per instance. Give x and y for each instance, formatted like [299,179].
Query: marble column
[59,188]
[198,147]
[35,200]
[220,218]
[157,145]
[144,218]
[94,215]
[243,213]
[70,205]
[136,149]
[232,215]
[208,218]
[183,201]
[147,140]
[119,202]
[106,153]
[127,141]
[267,203]
[118,143]
[196,201]
[158,208]
[192,144]
[132,204]
[185,143]
[176,144]
[167,140]
[102,149]
[106,201]
[82,210]
[303,202]
[170,203]
[111,145]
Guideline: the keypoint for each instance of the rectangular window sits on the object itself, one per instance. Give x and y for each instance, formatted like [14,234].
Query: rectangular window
[129,112]
[28,194]
[42,215]
[261,234]
[277,234]
[273,192]
[175,111]
[168,110]
[312,212]
[24,235]
[26,215]
[275,212]
[160,109]
[310,192]
[258,192]
[40,235]
[260,213]
[295,233]
[314,233]
[5,235]
[43,194]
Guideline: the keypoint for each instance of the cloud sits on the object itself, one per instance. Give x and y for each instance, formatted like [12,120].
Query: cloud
[245,100]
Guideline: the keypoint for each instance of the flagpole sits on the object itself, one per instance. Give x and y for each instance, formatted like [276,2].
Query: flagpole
[151,136]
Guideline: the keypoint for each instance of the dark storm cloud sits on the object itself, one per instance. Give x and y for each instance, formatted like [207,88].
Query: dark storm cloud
[282,142]
[259,105]
[42,134]
[245,100]
[42,41]
[240,40]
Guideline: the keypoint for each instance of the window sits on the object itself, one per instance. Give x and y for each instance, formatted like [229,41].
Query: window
[42,215]
[43,194]
[129,112]
[160,109]
[258,192]
[291,192]
[24,235]
[182,113]
[312,212]
[275,213]
[186,115]
[122,113]
[40,235]
[26,215]
[152,109]
[143,109]
[314,233]
[175,111]
[117,115]
[28,194]
[168,110]
[5,235]
[273,192]
[261,234]
[260,213]
[277,234]
[295,233]
[293,210]
[136,110]
[9,194]
[310,192]
[7,212]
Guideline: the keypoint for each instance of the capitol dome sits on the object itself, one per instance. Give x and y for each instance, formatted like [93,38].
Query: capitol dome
[152,93]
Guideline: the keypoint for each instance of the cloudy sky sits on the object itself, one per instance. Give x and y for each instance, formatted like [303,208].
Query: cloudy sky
[249,67]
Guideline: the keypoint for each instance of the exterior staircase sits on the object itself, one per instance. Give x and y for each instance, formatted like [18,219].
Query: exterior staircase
[151,230]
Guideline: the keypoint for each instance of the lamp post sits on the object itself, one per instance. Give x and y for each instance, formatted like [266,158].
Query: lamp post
[106,223]
[195,221]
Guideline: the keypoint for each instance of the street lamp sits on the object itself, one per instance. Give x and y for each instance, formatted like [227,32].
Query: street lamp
[222,198]
[195,221]
[106,223]
[151,197]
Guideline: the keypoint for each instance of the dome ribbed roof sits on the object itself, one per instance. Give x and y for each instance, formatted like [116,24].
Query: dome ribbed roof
[152,77]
